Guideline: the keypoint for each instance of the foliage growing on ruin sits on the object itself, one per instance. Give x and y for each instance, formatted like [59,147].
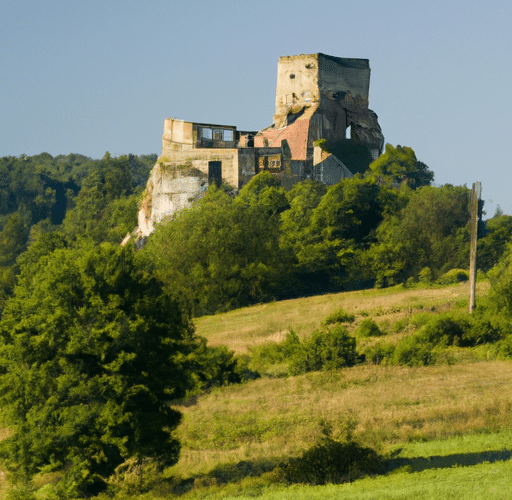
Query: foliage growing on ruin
[399,165]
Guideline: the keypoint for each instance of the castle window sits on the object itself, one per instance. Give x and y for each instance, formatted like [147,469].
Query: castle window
[218,134]
[206,133]
[228,135]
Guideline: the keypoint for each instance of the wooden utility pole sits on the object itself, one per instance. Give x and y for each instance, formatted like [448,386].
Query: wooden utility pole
[474,204]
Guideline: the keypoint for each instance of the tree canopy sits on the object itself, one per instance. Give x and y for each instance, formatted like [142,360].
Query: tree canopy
[91,350]
[399,165]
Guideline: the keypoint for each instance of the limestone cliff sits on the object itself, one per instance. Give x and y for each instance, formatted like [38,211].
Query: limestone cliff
[170,188]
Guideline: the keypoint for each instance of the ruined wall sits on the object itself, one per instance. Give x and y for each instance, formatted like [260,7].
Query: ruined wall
[178,136]
[200,158]
[344,79]
[297,85]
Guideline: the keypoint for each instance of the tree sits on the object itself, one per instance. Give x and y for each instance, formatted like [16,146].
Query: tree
[399,165]
[340,226]
[224,252]
[105,207]
[91,351]
[431,231]
[498,233]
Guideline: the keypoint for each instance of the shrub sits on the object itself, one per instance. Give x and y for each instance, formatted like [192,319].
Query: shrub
[425,276]
[331,462]
[275,352]
[445,330]
[453,276]
[368,328]
[441,331]
[399,325]
[484,331]
[339,316]
[324,350]
[216,366]
[379,353]
[412,351]
[419,319]
[505,347]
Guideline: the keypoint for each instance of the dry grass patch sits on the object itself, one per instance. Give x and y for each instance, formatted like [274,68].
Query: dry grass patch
[242,328]
[273,418]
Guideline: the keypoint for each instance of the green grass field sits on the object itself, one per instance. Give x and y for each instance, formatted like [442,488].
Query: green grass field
[445,431]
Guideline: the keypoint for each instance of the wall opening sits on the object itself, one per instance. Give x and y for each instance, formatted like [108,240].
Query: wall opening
[215,172]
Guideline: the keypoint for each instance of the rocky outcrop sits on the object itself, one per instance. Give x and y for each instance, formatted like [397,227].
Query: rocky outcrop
[169,190]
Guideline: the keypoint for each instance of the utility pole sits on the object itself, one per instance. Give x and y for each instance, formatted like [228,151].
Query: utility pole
[474,203]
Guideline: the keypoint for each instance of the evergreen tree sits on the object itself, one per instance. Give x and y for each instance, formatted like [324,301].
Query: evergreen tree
[91,351]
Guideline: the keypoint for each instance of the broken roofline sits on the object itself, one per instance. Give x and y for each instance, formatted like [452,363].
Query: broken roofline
[349,62]
[213,125]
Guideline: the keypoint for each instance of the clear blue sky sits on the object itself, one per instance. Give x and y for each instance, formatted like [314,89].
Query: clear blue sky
[101,75]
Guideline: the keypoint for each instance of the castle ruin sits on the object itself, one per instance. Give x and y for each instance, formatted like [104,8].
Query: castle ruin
[321,105]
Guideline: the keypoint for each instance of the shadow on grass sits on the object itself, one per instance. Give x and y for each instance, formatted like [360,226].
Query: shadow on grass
[419,464]
[235,472]
[224,474]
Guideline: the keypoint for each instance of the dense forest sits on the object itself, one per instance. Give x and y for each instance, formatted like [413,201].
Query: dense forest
[96,338]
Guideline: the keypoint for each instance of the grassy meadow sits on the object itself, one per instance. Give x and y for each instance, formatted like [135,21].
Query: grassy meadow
[445,431]
[242,328]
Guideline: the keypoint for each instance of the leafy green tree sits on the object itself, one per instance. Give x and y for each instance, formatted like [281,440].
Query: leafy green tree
[264,190]
[303,198]
[14,236]
[341,226]
[399,165]
[498,234]
[225,253]
[106,208]
[431,231]
[92,348]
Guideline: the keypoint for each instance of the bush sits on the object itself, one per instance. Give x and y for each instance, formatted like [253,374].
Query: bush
[412,351]
[419,319]
[331,462]
[484,331]
[324,350]
[453,276]
[441,331]
[399,325]
[275,352]
[339,316]
[368,328]
[444,330]
[505,347]
[379,353]
[425,276]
